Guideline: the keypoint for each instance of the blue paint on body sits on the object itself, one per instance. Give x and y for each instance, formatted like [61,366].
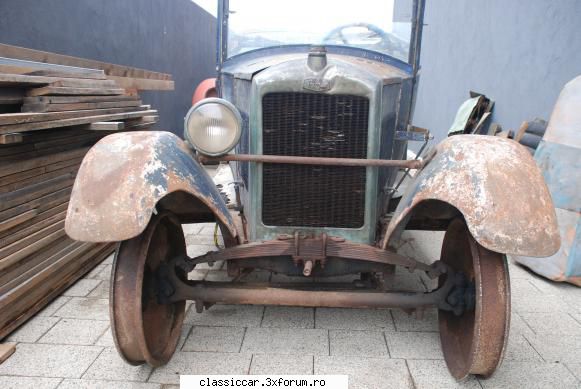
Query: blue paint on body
[561,166]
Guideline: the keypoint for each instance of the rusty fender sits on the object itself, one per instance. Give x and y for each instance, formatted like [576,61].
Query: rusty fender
[125,175]
[496,185]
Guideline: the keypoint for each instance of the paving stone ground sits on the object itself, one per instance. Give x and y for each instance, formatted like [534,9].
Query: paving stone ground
[69,344]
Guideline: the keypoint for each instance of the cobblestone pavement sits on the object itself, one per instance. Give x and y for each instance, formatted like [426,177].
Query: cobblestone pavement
[69,344]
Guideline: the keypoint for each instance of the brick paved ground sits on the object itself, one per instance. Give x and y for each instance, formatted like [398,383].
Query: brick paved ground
[69,345]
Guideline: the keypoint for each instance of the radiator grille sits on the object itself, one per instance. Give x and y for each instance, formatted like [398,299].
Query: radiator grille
[314,125]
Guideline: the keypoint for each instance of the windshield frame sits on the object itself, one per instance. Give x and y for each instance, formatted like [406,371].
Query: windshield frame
[411,65]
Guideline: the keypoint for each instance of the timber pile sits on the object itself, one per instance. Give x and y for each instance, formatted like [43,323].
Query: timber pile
[50,115]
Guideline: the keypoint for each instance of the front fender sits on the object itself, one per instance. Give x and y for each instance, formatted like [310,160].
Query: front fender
[496,185]
[125,175]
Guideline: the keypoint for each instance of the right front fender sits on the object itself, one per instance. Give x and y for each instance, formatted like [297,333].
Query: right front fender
[124,176]
[495,185]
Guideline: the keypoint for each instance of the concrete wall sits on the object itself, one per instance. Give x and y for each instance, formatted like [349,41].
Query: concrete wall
[170,36]
[519,53]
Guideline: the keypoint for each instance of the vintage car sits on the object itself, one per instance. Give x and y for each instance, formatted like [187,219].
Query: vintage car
[313,116]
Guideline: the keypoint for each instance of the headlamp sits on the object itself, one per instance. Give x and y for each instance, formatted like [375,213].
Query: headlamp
[213,126]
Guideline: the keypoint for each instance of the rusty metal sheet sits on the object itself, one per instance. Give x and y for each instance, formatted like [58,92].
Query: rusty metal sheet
[497,187]
[123,177]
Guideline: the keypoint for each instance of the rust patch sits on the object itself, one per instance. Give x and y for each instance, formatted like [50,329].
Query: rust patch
[497,187]
[123,177]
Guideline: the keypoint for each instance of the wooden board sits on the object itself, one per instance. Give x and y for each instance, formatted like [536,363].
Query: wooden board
[27,150]
[16,186]
[33,137]
[143,84]
[73,122]
[50,142]
[37,149]
[37,260]
[109,69]
[6,350]
[42,151]
[521,131]
[66,249]
[38,171]
[45,139]
[83,83]
[79,106]
[140,126]
[30,239]
[6,170]
[11,95]
[7,139]
[53,90]
[7,79]
[32,247]
[91,74]
[42,297]
[107,126]
[144,119]
[27,267]
[16,220]
[63,80]
[38,189]
[36,117]
[38,222]
[19,66]
[42,204]
[77,99]
[35,224]
[48,277]
[33,287]
[15,148]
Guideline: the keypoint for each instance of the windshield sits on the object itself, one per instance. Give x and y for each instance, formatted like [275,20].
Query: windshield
[378,25]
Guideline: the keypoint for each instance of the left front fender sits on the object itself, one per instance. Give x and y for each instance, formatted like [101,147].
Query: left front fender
[495,185]
[125,176]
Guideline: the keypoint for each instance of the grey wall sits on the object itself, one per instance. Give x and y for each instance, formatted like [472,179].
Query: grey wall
[170,36]
[519,53]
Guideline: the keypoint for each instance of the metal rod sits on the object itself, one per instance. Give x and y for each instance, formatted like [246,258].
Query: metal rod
[204,292]
[309,298]
[286,159]
[407,171]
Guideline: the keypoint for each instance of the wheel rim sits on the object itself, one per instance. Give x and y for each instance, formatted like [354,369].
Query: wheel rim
[143,330]
[474,342]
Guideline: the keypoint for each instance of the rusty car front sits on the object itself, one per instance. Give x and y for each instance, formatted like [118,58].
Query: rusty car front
[314,123]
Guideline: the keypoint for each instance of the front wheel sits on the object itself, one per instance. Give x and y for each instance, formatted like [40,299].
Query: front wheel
[145,331]
[474,342]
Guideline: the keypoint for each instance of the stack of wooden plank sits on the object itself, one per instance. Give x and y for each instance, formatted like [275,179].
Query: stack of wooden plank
[19,60]
[50,116]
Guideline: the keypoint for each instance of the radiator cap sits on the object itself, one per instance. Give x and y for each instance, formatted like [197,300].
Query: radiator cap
[317,58]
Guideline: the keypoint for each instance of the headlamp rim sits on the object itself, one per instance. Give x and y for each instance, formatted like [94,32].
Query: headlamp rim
[229,106]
